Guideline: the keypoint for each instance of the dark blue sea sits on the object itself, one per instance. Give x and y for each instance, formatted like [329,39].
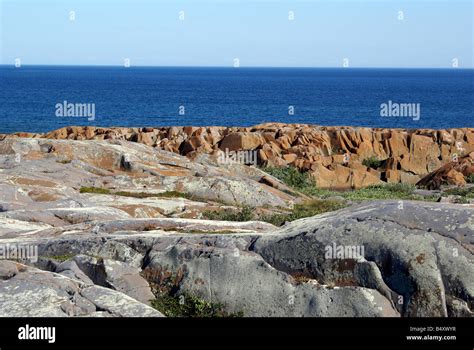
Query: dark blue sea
[152,96]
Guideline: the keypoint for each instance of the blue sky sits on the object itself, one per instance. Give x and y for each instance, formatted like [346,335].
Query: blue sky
[214,32]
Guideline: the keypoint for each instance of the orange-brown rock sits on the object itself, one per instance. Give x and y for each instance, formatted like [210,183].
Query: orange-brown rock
[422,156]
[361,178]
[453,173]
[241,141]
[406,155]
[392,176]
[290,158]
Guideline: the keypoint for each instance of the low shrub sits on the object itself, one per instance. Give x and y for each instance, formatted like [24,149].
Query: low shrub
[372,162]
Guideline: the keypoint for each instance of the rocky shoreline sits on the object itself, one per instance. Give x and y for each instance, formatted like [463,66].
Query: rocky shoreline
[150,222]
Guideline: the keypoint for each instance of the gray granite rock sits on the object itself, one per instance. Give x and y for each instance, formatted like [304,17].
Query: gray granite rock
[35,293]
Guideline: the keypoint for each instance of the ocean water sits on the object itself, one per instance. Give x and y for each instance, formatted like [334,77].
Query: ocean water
[154,96]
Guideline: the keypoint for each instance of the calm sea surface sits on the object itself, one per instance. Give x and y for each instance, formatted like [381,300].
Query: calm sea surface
[140,96]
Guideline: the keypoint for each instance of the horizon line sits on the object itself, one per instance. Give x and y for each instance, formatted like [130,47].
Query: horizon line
[157,126]
[230,67]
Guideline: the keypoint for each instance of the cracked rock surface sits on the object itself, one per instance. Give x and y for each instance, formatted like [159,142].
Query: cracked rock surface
[30,292]
[106,254]
[418,263]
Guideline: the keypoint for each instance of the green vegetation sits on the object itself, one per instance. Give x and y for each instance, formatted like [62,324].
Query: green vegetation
[323,200]
[244,214]
[303,183]
[64,161]
[173,194]
[200,232]
[466,192]
[384,191]
[134,194]
[372,162]
[60,258]
[470,178]
[165,285]
[292,177]
[168,194]
[186,305]
[460,200]
[94,190]
[311,208]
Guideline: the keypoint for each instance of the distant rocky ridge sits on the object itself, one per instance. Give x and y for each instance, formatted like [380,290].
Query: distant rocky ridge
[334,155]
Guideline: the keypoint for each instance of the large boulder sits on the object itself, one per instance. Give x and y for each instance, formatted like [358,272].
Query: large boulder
[422,251]
[241,141]
[245,283]
[452,173]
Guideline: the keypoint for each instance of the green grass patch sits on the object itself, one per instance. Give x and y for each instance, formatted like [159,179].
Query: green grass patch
[134,194]
[244,214]
[311,208]
[186,305]
[201,232]
[292,177]
[167,194]
[174,194]
[461,200]
[467,192]
[304,183]
[94,190]
[383,191]
[402,191]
